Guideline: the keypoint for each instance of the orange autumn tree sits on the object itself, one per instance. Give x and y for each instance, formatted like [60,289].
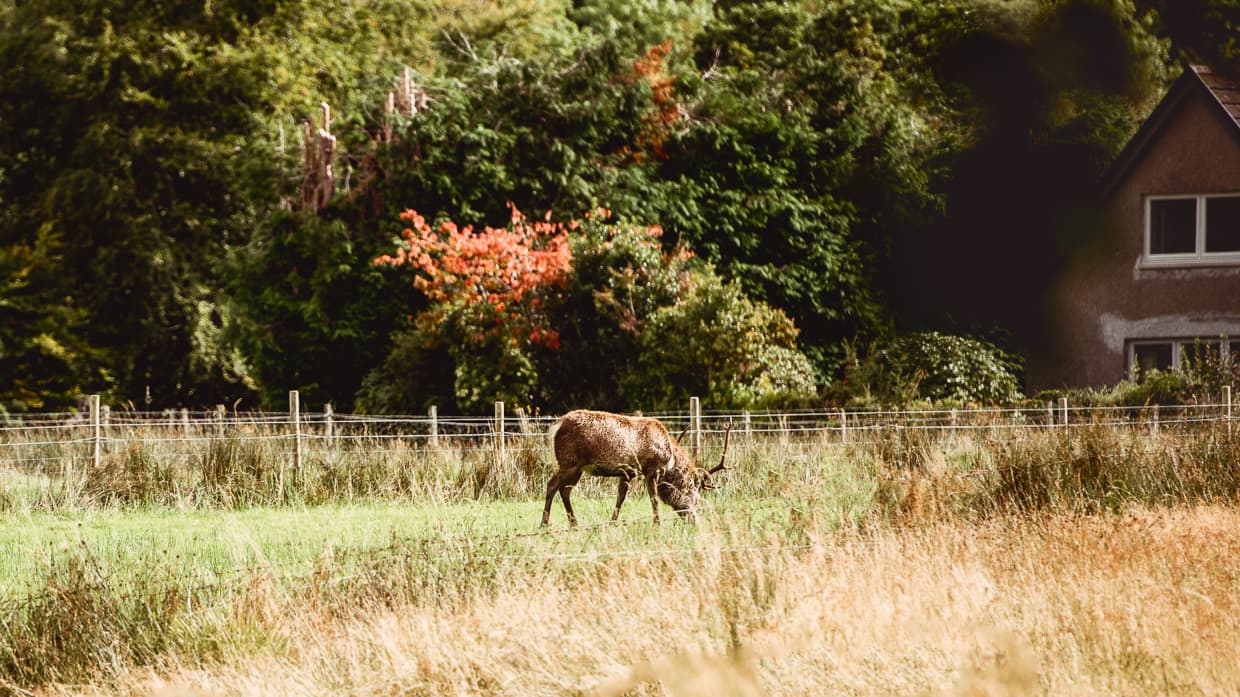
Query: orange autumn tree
[548,315]
[488,290]
[498,274]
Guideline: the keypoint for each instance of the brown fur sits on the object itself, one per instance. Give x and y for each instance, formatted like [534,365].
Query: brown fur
[613,445]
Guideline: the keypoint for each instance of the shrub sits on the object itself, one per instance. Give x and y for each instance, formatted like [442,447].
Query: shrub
[1202,379]
[934,367]
[719,344]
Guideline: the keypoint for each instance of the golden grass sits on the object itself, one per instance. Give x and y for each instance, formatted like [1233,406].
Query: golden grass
[1141,602]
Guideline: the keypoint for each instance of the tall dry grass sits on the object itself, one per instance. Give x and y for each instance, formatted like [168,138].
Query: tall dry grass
[1096,560]
[1142,602]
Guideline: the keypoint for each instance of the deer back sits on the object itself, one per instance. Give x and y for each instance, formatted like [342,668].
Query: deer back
[593,437]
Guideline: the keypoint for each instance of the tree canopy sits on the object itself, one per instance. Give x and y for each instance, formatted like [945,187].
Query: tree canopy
[193,197]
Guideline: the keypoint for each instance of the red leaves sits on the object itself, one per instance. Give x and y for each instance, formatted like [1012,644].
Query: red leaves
[657,124]
[503,272]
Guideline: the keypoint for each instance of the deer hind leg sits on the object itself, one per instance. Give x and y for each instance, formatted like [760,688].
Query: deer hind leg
[652,487]
[552,486]
[563,479]
[620,494]
[567,482]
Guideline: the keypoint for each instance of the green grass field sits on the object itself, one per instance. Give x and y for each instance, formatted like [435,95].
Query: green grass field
[220,542]
[215,544]
[1015,563]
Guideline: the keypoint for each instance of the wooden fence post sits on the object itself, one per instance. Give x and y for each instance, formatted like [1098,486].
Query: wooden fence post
[843,426]
[523,419]
[329,426]
[434,416]
[1063,408]
[96,434]
[499,432]
[695,425]
[294,415]
[1227,407]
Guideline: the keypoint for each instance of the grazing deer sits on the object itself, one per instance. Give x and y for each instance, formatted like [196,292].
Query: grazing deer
[613,445]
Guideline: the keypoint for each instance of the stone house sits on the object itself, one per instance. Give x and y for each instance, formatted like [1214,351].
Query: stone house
[1161,280]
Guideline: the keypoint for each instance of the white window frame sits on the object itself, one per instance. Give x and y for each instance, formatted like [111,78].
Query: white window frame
[1199,257]
[1179,349]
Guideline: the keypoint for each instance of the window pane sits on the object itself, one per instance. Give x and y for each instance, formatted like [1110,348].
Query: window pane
[1223,224]
[1151,357]
[1173,226]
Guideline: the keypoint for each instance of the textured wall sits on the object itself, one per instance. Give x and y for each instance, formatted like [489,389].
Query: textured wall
[1106,296]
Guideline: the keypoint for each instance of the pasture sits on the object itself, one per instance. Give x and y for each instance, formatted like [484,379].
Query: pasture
[1003,560]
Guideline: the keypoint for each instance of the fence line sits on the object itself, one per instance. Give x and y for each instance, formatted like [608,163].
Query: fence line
[86,436]
[43,437]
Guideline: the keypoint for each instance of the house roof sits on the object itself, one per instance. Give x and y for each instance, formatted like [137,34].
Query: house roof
[1221,88]
[1224,86]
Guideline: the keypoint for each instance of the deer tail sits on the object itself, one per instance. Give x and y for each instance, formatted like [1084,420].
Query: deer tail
[554,427]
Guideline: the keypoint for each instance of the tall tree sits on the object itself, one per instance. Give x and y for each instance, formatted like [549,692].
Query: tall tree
[798,156]
[1200,31]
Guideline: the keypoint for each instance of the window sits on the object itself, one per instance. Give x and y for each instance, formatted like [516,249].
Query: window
[1192,229]
[1145,355]
[1173,226]
[1222,224]
[1152,356]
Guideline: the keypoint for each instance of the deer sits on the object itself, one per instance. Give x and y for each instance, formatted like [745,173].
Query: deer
[604,444]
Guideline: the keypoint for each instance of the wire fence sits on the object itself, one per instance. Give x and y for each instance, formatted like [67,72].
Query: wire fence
[35,440]
[92,433]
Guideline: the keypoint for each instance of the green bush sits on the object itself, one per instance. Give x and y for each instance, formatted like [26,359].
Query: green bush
[717,343]
[1202,379]
[933,367]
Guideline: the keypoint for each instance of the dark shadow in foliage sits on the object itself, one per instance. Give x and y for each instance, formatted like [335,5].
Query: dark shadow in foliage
[417,373]
[1201,31]
[311,305]
[1050,102]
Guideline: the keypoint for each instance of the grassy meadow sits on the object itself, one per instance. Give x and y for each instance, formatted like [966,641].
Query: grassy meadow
[1094,560]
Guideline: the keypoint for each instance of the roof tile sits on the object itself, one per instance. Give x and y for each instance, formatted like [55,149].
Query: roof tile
[1225,86]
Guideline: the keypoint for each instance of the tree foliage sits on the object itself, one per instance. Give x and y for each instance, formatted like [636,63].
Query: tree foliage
[498,299]
[845,168]
[1043,96]
[718,344]
[932,367]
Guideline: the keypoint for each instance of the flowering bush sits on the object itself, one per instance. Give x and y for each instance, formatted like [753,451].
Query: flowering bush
[494,279]
[590,312]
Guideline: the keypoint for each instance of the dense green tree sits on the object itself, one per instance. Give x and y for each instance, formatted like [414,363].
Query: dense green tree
[311,311]
[1200,31]
[800,154]
[121,128]
[43,362]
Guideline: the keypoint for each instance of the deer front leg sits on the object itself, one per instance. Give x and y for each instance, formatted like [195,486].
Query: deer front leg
[652,486]
[621,492]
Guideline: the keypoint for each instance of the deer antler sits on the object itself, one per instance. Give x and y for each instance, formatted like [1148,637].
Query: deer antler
[726,437]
